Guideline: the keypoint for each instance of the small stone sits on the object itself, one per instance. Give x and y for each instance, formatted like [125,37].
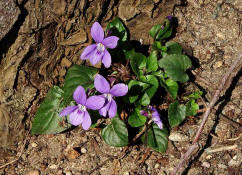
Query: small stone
[68,173]
[222,166]
[34,145]
[156,1]
[209,157]
[83,150]
[178,137]
[72,154]
[218,64]
[157,165]
[53,166]
[59,172]
[33,172]
[206,164]
[126,173]
[221,35]
[235,161]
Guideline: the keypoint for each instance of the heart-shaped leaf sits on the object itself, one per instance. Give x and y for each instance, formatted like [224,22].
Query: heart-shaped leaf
[152,80]
[171,86]
[173,48]
[176,114]
[152,63]
[116,133]
[156,138]
[136,119]
[47,119]
[78,75]
[175,66]
[117,28]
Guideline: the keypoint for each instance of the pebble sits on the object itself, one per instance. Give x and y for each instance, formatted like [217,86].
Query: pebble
[33,172]
[72,154]
[126,173]
[53,166]
[235,161]
[206,164]
[178,137]
[83,150]
[218,64]
[209,157]
[34,145]
[68,173]
[222,166]
[157,165]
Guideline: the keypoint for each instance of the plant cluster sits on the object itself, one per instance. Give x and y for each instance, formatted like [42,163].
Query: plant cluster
[141,80]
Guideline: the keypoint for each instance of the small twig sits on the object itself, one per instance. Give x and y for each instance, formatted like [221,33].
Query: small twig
[18,157]
[142,131]
[206,114]
[223,148]
[236,138]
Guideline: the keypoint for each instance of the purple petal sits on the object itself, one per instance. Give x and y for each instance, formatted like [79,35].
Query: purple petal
[113,109]
[86,121]
[95,102]
[68,110]
[76,117]
[119,89]
[106,59]
[96,56]
[156,118]
[110,42]
[88,51]
[103,111]
[169,17]
[159,124]
[97,32]
[101,84]
[79,95]
[155,113]
[144,113]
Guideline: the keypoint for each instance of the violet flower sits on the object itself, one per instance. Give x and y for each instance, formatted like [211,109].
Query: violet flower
[169,17]
[98,52]
[102,86]
[79,114]
[155,116]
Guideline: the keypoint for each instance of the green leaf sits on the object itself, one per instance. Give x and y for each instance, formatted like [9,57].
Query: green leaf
[116,133]
[157,45]
[47,119]
[160,32]
[154,30]
[196,95]
[145,99]
[152,64]
[173,48]
[152,80]
[175,66]
[171,86]
[136,119]
[176,114]
[156,138]
[78,75]
[138,63]
[191,108]
[118,29]
[136,88]
[165,31]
